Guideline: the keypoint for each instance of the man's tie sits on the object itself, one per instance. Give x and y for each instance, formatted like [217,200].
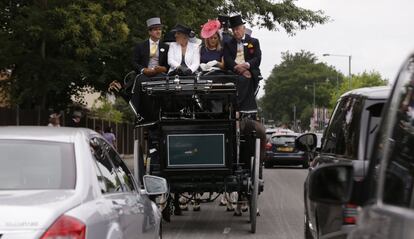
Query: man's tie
[153,49]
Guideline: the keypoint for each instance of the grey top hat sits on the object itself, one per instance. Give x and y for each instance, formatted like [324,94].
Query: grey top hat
[249,31]
[154,22]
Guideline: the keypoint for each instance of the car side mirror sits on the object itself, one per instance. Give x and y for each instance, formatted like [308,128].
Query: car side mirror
[331,183]
[155,185]
[306,142]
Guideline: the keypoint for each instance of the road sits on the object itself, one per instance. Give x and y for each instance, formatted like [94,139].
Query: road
[281,209]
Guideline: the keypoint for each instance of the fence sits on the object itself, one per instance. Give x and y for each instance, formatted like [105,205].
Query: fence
[125,133]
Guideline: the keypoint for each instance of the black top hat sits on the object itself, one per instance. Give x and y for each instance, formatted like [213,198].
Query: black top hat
[236,21]
[183,29]
[224,21]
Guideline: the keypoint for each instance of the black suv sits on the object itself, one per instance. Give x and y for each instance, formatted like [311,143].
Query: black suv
[386,195]
[349,137]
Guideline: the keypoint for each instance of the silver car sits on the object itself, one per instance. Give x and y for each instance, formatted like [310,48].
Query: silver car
[70,183]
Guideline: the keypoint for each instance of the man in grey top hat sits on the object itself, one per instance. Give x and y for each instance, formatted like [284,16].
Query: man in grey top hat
[149,59]
[150,56]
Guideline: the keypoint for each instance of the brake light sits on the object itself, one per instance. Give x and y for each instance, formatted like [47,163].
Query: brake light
[349,213]
[66,227]
[268,147]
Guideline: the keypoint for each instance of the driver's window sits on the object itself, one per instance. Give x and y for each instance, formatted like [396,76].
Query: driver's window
[107,177]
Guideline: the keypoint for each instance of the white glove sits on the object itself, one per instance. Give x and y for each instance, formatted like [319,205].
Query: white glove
[204,67]
[212,63]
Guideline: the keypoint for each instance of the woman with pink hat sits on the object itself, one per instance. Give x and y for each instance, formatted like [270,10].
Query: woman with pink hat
[211,53]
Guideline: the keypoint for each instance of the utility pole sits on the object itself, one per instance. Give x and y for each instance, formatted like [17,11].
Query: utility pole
[294,118]
[314,95]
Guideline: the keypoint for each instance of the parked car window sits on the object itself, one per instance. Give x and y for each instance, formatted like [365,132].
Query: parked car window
[122,170]
[33,165]
[106,173]
[399,174]
[342,134]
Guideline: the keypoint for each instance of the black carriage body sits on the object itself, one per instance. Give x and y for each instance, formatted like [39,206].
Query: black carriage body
[196,133]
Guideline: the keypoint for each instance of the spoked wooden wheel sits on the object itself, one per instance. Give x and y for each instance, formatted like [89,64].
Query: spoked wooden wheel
[254,188]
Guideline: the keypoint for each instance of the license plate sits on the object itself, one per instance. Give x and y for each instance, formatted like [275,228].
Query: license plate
[285,149]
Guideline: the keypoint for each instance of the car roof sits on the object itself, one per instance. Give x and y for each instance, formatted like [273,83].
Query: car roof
[46,133]
[377,92]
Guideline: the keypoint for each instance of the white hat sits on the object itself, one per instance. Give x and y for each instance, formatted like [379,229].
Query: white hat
[154,22]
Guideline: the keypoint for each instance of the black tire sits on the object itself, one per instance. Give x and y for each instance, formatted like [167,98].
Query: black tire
[254,190]
[267,165]
[305,164]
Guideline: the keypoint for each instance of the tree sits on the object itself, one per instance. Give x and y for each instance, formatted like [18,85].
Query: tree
[58,48]
[365,79]
[55,47]
[292,84]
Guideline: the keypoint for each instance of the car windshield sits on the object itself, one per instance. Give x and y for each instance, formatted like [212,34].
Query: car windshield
[36,165]
[284,140]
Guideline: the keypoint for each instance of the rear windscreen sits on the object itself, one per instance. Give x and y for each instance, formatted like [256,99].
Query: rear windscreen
[284,140]
[32,165]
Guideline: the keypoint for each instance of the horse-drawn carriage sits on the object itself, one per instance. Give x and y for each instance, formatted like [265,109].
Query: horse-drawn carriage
[194,140]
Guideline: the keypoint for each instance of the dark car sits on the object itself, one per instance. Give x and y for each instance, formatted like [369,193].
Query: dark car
[386,193]
[281,150]
[348,137]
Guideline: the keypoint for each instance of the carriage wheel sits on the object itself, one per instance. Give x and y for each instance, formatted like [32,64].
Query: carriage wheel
[254,190]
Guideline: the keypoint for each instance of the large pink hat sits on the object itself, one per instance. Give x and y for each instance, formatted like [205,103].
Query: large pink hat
[210,28]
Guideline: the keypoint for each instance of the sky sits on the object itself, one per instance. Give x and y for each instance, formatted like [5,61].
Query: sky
[378,34]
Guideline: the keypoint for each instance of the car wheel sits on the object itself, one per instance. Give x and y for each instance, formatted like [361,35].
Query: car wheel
[308,234]
[267,165]
[305,164]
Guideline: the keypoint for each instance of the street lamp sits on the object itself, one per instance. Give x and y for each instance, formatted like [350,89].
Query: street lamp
[349,67]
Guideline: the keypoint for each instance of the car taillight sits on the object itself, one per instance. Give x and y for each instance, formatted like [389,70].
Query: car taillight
[66,227]
[268,147]
[349,213]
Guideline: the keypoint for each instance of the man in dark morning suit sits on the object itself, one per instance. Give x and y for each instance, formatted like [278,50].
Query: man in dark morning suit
[150,56]
[242,55]
[149,60]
